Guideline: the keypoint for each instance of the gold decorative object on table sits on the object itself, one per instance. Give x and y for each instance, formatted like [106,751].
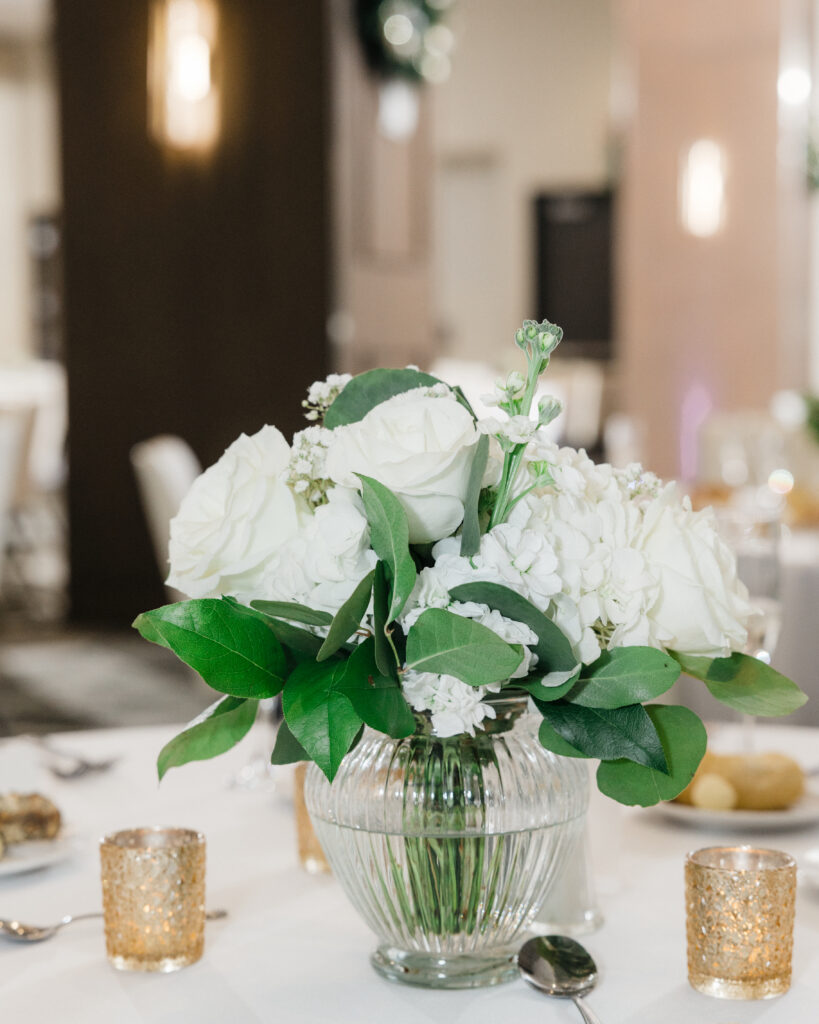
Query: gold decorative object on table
[311,855]
[153,897]
[739,920]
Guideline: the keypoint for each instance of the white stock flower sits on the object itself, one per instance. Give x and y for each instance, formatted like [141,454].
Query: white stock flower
[420,447]
[323,563]
[234,518]
[515,430]
[455,706]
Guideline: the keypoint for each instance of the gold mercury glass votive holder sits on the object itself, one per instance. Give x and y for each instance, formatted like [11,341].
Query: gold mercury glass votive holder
[153,898]
[311,855]
[740,903]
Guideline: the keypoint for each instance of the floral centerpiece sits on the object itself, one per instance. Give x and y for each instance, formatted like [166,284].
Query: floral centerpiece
[417,584]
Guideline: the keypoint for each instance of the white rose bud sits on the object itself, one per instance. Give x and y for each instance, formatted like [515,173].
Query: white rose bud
[421,449]
[235,516]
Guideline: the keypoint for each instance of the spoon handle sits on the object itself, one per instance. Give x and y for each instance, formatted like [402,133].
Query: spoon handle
[588,1015]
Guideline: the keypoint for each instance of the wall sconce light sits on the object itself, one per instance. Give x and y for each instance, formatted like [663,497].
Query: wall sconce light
[183,87]
[702,188]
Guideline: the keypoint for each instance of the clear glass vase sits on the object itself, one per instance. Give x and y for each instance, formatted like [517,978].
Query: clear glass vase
[447,847]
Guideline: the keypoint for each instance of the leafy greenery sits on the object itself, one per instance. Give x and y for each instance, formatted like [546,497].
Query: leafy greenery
[608,733]
[215,731]
[231,649]
[449,644]
[287,749]
[471,530]
[294,612]
[627,675]
[385,656]
[379,700]
[367,390]
[745,684]
[389,536]
[348,618]
[683,738]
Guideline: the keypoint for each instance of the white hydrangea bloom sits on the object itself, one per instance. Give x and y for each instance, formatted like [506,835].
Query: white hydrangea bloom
[455,706]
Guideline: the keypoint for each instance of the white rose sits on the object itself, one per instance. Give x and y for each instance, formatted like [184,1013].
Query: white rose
[418,446]
[235,516]
[702,607]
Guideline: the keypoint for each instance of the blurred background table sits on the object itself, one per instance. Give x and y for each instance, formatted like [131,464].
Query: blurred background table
[292,949]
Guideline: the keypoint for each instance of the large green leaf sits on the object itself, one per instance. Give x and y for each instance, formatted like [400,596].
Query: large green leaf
[320,717]
[471,529]
[228,645]
[553,741]
[389,536]
[348,618]
[367,390]
[287,749]
[384,655]
[218,729]
[627,675]
[553,650]
[377,699]
[449,644]
[745,683]
[607,733]
[294,612]
[683,738]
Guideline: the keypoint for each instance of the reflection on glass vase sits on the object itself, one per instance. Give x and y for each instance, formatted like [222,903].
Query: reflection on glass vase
[570,907]
[447,846]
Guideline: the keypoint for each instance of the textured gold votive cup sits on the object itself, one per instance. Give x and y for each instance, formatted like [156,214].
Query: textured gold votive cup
[311,855]
[740,904]
[153,898]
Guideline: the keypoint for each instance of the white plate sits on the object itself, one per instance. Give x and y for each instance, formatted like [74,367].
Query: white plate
[803,813]
[40,853]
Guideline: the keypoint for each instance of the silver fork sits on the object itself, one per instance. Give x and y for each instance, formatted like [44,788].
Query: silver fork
[19,932]
[73,766]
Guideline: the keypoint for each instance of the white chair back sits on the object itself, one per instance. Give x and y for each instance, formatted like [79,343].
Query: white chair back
[165,467]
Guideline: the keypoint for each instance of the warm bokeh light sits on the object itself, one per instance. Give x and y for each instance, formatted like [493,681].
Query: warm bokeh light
[781,481]
[793,86]
[702,189]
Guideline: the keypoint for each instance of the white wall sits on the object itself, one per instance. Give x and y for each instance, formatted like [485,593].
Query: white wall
[525,109]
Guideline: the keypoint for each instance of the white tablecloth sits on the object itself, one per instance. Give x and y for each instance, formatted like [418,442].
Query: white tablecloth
[292,949]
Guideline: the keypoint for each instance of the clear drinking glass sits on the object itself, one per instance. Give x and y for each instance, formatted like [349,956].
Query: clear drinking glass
[739,921]
[447,846]
[153,898]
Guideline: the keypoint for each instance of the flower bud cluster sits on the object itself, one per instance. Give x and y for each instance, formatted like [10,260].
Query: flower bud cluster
[322,393]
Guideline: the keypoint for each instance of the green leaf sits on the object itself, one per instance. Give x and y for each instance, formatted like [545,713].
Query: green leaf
[378,700]
[367,390]
[287,749]
[471,530]
[389,536]
[627,675]
[227,644]
[683,738]
[348,618]
[298,642]
[449,644]
[607,733]
[321,718]
[550,687]
[553,649]
[218,729]
[745,683]
[384,656]
[553,741]
[294,612]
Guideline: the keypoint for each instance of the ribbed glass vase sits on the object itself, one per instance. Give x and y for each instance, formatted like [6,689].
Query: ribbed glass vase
[447,847]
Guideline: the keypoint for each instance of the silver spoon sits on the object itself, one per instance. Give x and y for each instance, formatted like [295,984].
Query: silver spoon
[559,967]
[19,932]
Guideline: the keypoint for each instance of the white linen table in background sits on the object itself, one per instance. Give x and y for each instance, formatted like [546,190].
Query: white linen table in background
[294,952]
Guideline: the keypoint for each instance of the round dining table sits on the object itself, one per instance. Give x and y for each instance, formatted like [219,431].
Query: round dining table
[293,951]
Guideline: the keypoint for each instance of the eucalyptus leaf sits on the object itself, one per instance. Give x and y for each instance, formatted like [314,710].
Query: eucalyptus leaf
[348,618]
[294,612]
[287,749]
[389,536]
[607,733]
[384,656]
[378,699]
[684,739]
[320,717]
[553,649]
[550,687]
[745,684]
[228,645]
[471,529]
[449,644]
[216,730]
[367,390]
[553,741]
[626,675]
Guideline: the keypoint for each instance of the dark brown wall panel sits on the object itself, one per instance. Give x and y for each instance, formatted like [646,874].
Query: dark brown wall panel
[196,290]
